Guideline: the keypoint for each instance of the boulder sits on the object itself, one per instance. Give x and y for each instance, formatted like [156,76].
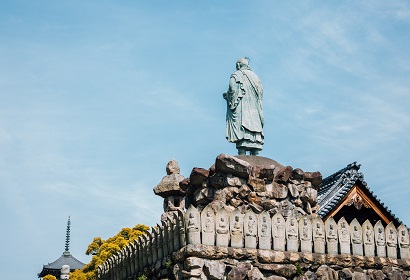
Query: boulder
[244,191]
[232,165]
[255,274]
[214,269]
[230,192]
[326,273]
[264,172]
[239,272]
[198,175]
[218,180]
[279,191]
[297,174]
[233,181]
[204,195]
[253,198]
[283,174]
[287,271]
[376,274]
[293,190]
[345,274]
[257,184]
[314,177]
[184,184]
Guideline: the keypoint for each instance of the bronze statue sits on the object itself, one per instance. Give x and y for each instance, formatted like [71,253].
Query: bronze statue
[244,115]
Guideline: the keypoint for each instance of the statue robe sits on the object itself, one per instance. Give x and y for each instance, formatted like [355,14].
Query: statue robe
[244,116]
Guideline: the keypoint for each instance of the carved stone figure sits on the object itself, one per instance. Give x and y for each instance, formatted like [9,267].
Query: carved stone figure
[380,239]
[244,116]
[305,231]
[356,237]
[222,228]
[391,240]
[250,222]
[344,236]
[318,232]
[264,231]
[236,229]
[208,226]
[368,238]
[278,232]
[404,243]
[192,223]
[65,272]
[292,234]
[331,236]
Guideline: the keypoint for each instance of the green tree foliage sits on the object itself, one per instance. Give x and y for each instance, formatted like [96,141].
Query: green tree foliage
[49,277]
[101,250]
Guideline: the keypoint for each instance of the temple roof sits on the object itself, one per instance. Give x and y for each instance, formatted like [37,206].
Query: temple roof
[65,259]
[336,187]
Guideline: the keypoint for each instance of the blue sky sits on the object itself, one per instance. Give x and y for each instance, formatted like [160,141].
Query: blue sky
[97,96]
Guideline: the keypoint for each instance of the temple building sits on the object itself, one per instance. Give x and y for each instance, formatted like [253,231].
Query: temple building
[54,268]
[346,194]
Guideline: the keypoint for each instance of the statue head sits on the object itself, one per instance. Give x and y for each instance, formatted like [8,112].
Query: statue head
[242,62]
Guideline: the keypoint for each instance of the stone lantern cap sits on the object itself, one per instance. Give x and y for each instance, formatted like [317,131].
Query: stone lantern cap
[169,184]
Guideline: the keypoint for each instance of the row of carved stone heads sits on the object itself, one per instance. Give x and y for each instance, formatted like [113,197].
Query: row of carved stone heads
[150,249]
[260,231]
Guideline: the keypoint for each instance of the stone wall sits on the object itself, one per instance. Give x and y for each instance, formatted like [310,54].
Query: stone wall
[228,244]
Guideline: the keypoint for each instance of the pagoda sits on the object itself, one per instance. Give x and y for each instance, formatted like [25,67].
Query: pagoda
[54,268]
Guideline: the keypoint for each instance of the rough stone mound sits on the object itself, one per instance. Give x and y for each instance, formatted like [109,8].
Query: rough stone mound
[253,182]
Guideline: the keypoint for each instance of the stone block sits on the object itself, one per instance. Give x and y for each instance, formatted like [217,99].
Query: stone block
[214,269]
[326,273]
[255,274]
[239,272]
[283,174]
[232,165]
[315,178]
[198,175]
[279,191]
[233,181]
[297,174]
[257,184]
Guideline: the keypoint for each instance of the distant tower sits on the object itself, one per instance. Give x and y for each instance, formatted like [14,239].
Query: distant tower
[67,238]
[61,267]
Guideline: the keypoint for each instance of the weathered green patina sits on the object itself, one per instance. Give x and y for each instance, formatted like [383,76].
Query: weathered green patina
[244,115]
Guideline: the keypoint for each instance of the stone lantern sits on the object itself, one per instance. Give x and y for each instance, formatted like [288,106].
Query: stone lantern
[170,190]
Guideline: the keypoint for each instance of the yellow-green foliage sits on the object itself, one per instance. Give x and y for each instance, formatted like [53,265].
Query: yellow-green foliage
[103,249]
[49,277]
